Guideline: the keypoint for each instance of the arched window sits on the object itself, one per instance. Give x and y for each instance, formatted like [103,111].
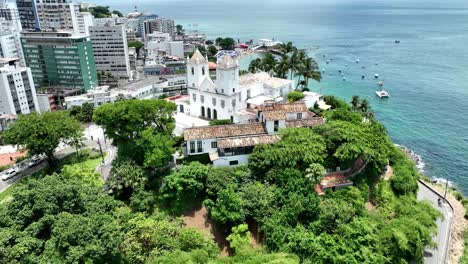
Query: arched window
[203,71]
[203,111]
[215,114]
[193,71]
[208,111]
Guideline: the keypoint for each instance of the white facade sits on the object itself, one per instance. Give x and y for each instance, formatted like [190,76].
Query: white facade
[17,91]
[111,50]
[84,20]
[10,46]
[10,13]
[145,89]
[58,14]
[156,49]
[231,96]
[44,101]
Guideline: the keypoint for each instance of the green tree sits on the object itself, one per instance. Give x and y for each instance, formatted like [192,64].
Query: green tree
[156,148]
[315,173]
[309,70]
[226,43]
[126,120]
[227,210]
[268,62]
[220,122]
[355,102]
[295,96]
[137,45]
[180,30]
[255,65]
[258,200]
[126,178]
[41,134]
[282,67]
[239,239]
[184,185]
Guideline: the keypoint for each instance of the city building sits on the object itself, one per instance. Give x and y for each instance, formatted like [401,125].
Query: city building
[164,65]
[132,56]
[60,59]
[141,19]
[29,17]
[111,50]
[10,44]
[231,96]
[231,145]
[17,90]
[84,20]
[158,25]
[148,88]
[10,13]
[155,49]
[46,102]
[58,15]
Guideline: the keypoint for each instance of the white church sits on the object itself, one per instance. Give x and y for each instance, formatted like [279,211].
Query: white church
[230,96]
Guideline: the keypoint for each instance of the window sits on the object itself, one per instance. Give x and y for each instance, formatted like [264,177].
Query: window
[202,99]
[199,146]
[193,71]
[233,162]
[299,115]
[223,104]
[203,71]
[233,102]
[214,144]
[214,101]
[233,90]
[276,126]
[192,146]
[194,96]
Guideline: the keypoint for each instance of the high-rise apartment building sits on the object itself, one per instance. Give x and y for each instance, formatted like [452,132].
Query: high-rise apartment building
[110,50]
[85,20]
[10,13]
[58,15]
[159,25]
[60,59]
[28,14]
[17,90]
[10,44]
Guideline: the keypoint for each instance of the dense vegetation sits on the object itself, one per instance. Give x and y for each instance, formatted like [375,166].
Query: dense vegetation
[133,217]
[293,61]
[101,12]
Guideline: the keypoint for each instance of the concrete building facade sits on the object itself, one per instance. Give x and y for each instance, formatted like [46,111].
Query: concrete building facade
[85,20]
[58,15]
[17,90]
[29,17]
[60,59]
[111,50]
[10,13]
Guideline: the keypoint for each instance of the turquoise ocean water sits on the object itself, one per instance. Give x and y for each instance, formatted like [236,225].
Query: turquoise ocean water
[426,74]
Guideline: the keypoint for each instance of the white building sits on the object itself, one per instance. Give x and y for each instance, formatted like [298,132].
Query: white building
[111,50]
[58,14]
[149,88]
[158,25]
[17,91]
[10,42]
[161,44]
[9,12]
[231,96]
[84,20]
[231,145]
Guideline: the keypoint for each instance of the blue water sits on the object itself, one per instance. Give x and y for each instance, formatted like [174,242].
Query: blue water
[426,74]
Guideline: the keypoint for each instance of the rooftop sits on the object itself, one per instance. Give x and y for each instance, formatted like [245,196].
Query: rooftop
[311,122]
[197,58]
[247,141]
[196,133]
[264,78]
[276,114]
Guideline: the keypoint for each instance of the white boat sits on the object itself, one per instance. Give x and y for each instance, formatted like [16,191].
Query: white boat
[381,83]
[357,60]
[382,94]
[376,75]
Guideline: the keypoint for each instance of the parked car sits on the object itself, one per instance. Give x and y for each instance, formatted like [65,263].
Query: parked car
[10,173]
[36,160]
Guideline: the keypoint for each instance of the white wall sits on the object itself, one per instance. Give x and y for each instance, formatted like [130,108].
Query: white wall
[224,161]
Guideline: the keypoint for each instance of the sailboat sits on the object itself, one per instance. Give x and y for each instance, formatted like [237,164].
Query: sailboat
[382,93]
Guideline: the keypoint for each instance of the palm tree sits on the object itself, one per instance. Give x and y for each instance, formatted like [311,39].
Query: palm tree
[269,62]
[282,67]
[293,60]
[286,48]
[309,70]
[365,107]
[255,65]
[355,102]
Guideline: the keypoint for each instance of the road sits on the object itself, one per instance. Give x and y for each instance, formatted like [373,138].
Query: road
[28,171]
[438,255]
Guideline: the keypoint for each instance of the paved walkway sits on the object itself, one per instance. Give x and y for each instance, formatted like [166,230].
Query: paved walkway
[438,255]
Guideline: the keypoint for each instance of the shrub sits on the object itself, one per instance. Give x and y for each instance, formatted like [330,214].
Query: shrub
[295,96]
[220,122]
